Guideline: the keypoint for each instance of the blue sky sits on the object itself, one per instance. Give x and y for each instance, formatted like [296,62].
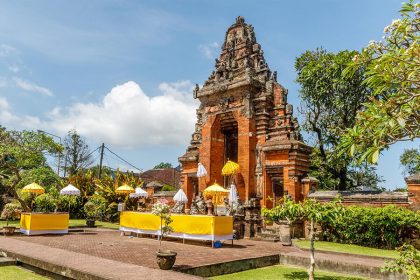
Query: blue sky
[122,72]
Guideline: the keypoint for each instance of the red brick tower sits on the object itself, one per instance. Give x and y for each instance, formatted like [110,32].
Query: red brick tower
[244,116]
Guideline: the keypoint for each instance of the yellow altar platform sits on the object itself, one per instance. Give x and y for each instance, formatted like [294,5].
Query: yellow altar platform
[44,223]
[198,227]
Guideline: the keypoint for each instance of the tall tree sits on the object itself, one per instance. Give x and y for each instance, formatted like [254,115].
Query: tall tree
[410,160]
[77,154]
[330,103]
[22,161]
[393,72]
[163,165]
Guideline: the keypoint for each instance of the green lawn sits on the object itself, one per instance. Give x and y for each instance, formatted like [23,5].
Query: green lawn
[72,223]
[82,222]
[347,248]
[283,272]
[18,273]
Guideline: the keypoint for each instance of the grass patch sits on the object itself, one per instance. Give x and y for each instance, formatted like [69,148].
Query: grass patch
[347,248]
[11,223]
[72,223]
[82,222]
[283,272]
[18,273]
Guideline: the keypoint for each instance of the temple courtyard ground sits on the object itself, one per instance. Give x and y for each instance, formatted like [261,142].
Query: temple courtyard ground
[105,254]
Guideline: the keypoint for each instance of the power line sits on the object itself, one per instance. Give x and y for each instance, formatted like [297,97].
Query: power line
[122,159]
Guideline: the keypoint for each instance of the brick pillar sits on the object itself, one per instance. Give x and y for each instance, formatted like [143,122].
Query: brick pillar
[212,152]
[246,156]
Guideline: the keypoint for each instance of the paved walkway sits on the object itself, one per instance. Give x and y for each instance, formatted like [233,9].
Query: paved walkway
[88,264]
[107,254]
[141,251]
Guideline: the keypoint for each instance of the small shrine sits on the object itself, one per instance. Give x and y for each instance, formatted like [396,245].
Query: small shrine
[244,117]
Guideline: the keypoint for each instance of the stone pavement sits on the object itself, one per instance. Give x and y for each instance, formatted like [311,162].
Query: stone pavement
[108,255]
[86,266]
[141,251]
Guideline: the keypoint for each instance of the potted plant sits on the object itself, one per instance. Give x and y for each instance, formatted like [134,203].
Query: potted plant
[92,212]
[165,258]
[11,211]
[284,215]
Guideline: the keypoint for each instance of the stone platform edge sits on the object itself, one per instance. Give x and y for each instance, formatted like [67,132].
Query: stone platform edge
[228,267]
[51,270]
[341,267]
[347,254]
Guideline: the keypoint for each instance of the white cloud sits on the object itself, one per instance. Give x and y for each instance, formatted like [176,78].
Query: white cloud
[125,117]
[128,117]
[5,114]
[210,51]
[6,50]
[28,86]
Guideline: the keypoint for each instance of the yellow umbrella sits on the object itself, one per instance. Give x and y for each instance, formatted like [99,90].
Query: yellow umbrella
[33,188]
[230,168]
[125,189]
[217,192]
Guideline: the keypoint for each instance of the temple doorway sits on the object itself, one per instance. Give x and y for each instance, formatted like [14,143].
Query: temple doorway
[229,127]
[278,191]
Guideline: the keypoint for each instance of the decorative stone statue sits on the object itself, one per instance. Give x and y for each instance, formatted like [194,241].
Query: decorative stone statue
[198,206]
[227,206]
[178,207]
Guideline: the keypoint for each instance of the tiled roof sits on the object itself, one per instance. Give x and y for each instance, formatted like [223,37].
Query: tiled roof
[169,176]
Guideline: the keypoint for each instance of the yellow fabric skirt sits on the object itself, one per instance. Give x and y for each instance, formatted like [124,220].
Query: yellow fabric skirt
[44,223]
[184,226]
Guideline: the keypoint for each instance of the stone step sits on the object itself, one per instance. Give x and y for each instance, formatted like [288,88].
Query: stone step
[266,238]
[269,231]
[5,261]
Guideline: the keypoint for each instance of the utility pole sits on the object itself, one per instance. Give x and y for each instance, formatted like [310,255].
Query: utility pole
[100,161]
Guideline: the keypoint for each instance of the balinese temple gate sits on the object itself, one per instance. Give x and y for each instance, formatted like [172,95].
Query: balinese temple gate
[244,116]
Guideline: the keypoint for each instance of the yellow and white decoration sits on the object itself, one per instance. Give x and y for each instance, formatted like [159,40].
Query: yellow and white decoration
[44,223]
[198,227]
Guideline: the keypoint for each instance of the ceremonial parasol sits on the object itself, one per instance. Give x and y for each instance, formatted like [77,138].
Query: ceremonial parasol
[139,192]
[33,188]
[201,172]
[70,190]
[217,192]
[124,189]
[230,168]
[180,196]
[233,194]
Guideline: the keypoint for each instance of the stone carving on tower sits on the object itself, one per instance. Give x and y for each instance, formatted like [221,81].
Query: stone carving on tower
[244,115]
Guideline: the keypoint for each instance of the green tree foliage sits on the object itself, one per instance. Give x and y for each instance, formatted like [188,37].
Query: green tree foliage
[22,160]
[310,210]
[77,154]
[410,160]
[330,102]
[393,73]
[408,262]
[163,165]
[108,198]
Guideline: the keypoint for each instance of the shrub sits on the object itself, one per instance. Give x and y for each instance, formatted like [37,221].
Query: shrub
[92,210]
[11,211]
[383,227]
[169,188]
